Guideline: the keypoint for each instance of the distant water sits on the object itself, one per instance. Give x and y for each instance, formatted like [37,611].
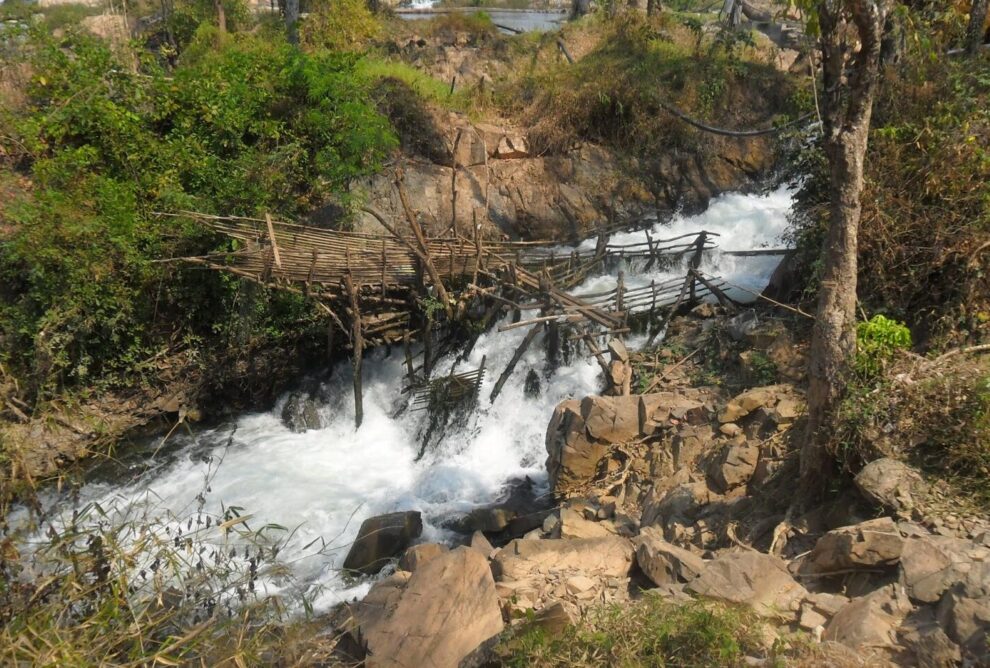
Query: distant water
[529,20]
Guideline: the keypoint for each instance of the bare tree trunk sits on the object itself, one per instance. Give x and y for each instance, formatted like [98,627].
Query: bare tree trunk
[848,101]
[977,20]
[221,16]
[292,20]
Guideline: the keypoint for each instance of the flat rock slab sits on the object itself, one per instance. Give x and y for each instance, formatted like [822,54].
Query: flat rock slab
[754,579]
[602,557]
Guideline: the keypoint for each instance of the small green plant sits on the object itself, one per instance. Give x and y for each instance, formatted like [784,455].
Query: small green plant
[430,306]
[764,370]
[878,339]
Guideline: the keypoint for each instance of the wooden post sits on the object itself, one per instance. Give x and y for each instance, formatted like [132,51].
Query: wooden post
[407,345]
[271,235]
[357,342]
[384,264]
[424,250]
[620,302]
[653,257]
[695,262]
[514,281]
[516,356]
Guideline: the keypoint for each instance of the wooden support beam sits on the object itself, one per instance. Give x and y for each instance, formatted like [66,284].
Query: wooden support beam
[357,343]
[516,356]
[271,236]
[424,249]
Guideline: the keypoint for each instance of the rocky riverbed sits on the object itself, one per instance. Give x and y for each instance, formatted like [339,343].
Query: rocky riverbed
[682,493]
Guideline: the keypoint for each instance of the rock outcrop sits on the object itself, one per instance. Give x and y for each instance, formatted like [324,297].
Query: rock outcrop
[382,538]
[433,617]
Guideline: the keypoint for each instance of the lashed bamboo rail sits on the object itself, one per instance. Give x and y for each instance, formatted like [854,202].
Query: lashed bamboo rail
[374,285]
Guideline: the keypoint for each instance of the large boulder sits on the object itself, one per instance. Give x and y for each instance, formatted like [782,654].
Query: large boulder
[870,621]
[382,538]
[754,579]
[932,564]
[865,545]
[964,613]
[663,562]
[891,484]
[432,618]
[581,434]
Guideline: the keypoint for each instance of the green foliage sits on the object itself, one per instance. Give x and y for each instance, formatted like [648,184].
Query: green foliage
[926,201]
[431,306]
[652,632]
[244,125]
[877,341]
[764,370]
[344,25]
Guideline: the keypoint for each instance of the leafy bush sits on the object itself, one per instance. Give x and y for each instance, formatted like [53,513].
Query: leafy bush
[877,340]
[613,93]
[344,25]
[243,125]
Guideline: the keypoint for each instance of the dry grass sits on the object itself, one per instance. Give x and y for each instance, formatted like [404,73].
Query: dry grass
[934,413]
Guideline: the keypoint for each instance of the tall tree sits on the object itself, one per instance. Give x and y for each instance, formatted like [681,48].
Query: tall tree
[851,32]
[292,20]
[977,25]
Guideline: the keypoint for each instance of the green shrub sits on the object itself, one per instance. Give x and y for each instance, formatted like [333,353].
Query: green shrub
[877,341]
[243,125]
[344,25]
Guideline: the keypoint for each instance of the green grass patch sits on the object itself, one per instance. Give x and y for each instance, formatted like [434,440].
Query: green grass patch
[651,632]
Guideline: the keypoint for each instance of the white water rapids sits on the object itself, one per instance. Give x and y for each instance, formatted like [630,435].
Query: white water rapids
[324,482]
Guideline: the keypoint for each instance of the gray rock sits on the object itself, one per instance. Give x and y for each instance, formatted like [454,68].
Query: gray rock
[301,413]
[964,613]
[891,484]
[382,538]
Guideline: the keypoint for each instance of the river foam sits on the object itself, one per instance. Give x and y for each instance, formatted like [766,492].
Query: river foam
[322,483]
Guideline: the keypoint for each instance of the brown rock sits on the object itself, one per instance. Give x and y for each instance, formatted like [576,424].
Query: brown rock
[751,578]
[604,557]
[869,544]
[870,621]
[735,466]
[553,619]
[435,617]
[611,419]
[417,555]
[747,402]
[481,544]
[934,650]
[664,563]
[891,484]
[574,525]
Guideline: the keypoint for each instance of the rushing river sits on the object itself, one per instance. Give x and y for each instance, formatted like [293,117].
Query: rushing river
[322,483]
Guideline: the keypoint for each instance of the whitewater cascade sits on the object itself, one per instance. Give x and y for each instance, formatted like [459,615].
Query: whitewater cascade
[323,482]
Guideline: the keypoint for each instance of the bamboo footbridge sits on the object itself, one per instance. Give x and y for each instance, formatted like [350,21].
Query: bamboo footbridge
[402,285]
